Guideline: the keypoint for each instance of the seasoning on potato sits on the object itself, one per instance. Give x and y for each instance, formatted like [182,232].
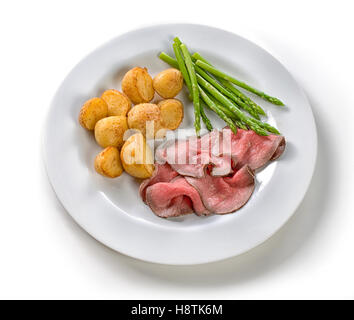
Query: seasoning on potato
[168,83]
[118,103]
[171,113]
[110,131]
[92,111]
[143,115]
[137,85]
[108,164]
[137,158]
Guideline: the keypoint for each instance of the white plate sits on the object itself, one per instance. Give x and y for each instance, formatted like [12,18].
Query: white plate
[111,210]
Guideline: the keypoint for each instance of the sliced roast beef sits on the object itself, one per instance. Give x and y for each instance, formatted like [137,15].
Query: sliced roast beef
[175,198]
[162,173]
[178,152]
[280,149]
[225,194]
[220,166]
[211,174]
[191,157]
[212,142]
[255,150]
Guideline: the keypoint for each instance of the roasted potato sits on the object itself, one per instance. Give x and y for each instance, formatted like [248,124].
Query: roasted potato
[136,157]
[171,113]
[146,118]
[168,83]
[108,164]
[110,131]
[118,103]
[93,110]
[137,85]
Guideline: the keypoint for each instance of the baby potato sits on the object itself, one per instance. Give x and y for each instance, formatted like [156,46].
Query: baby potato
[108,164]
[143,116]
[110,131]
[168,83]
[93,110]
[136,157]
[171,113]
[118,103]
[137,85]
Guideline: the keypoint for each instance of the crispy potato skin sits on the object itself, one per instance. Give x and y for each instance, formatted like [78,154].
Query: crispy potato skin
[108,164]
[171,113]
[118,103]
[109,131]
[136,157]
[92,111]
[137,85]
[142,113]
[168,83]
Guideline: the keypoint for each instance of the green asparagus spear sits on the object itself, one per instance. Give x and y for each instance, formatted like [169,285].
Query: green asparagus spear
[205,119]
[171,61]
[210,103]
[229,85]
[177,41]
[194,83]
[227,93]
[228,112]
[197,56]
[239,123]
[227,103]
[182,66]
[241,84]
[242,96]
[231,115]
[168,59]
[265,126]
[199,70]
[176,64]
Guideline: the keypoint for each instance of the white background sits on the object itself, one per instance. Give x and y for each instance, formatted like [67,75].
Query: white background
[44,254]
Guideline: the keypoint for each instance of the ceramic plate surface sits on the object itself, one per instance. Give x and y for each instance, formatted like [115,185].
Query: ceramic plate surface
[111,210]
